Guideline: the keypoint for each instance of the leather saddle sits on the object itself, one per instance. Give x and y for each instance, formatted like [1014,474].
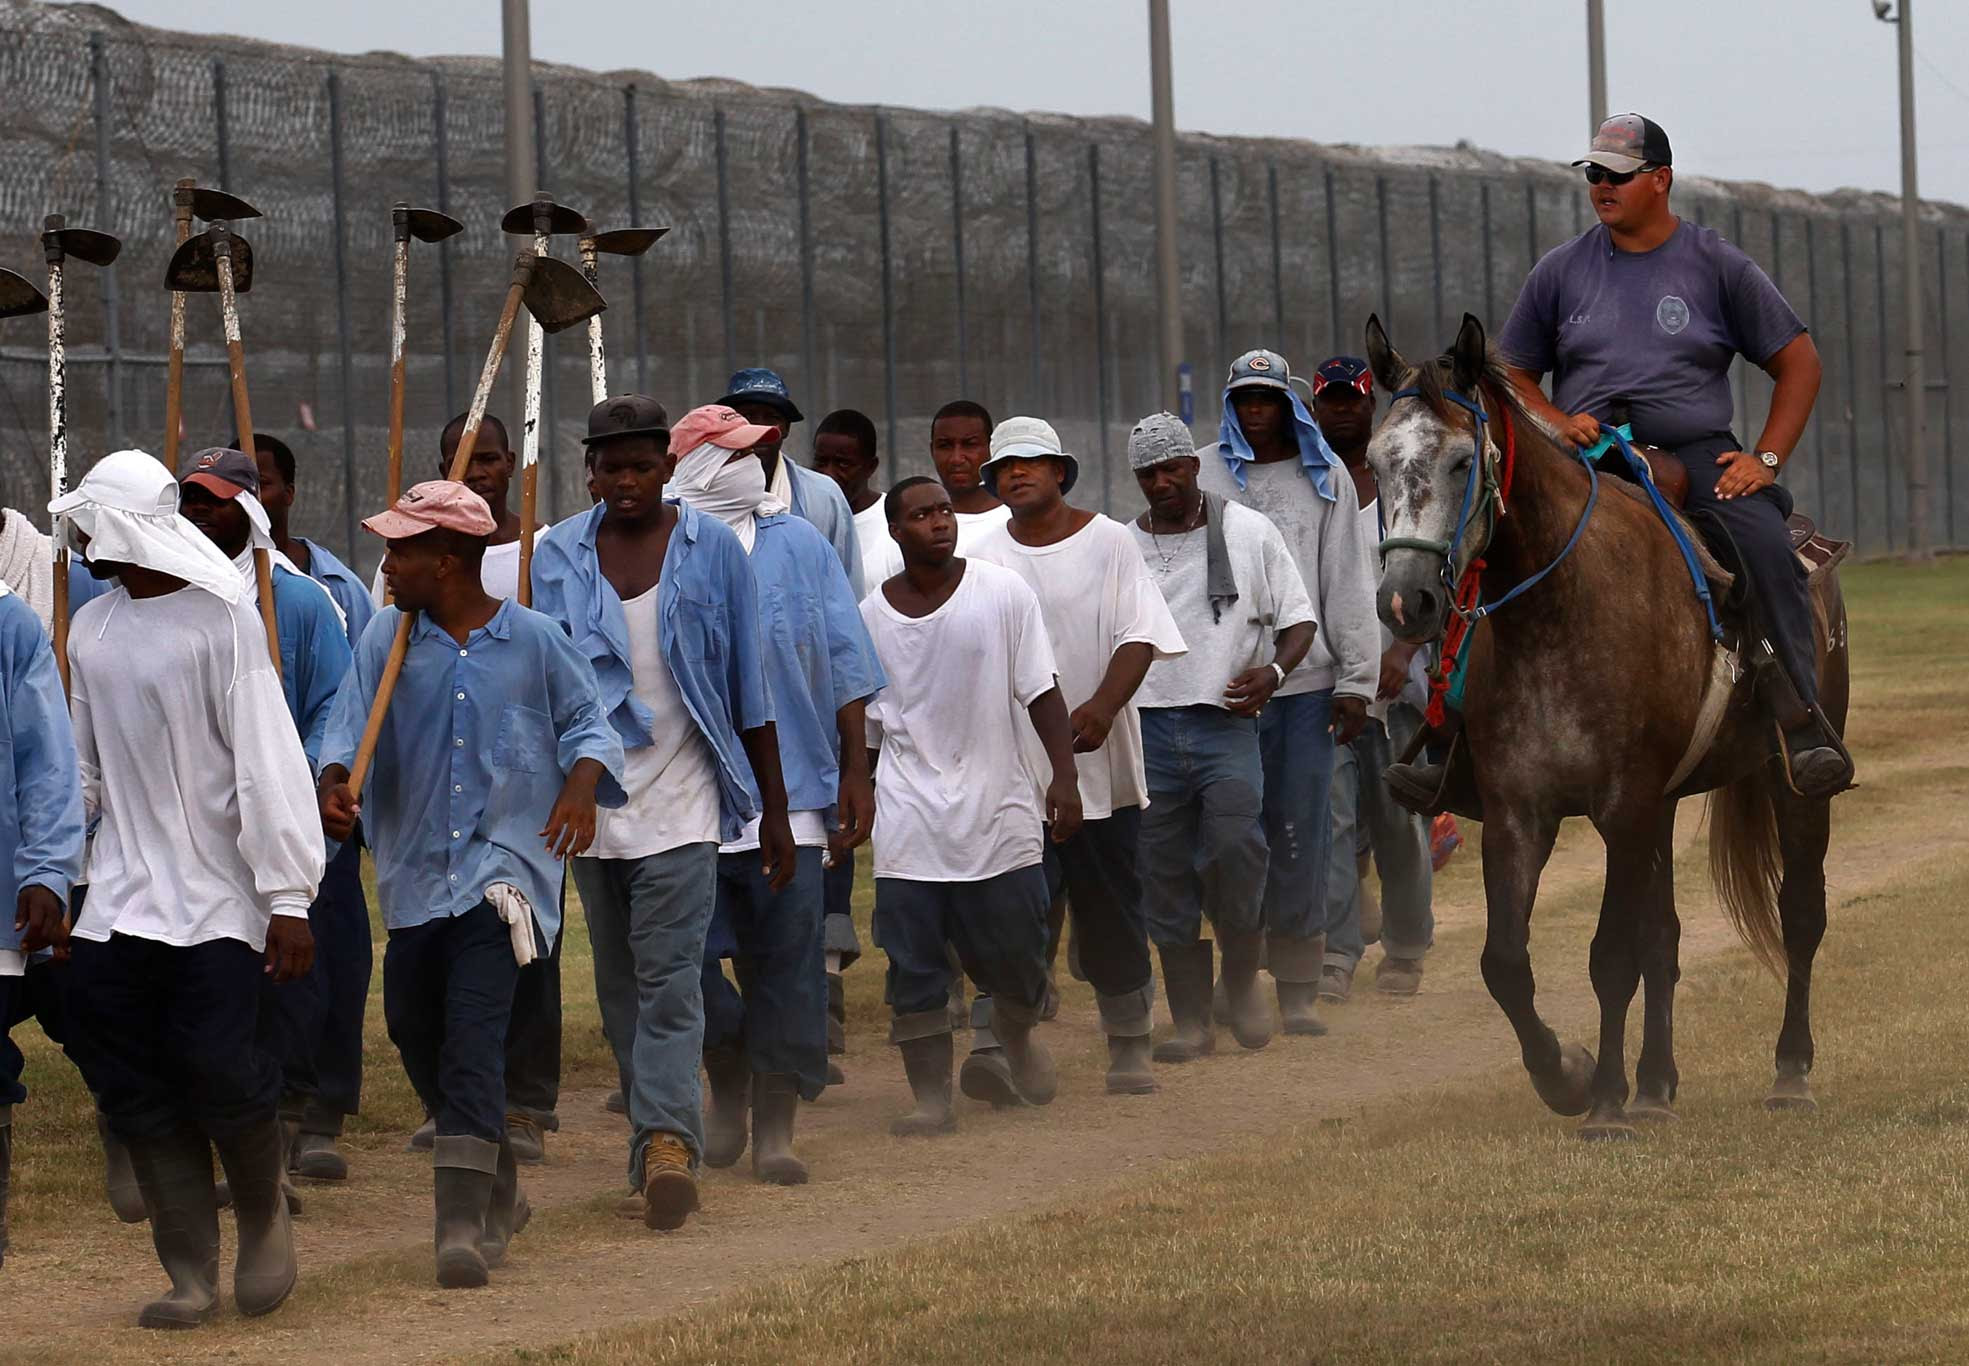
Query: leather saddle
[1818,554]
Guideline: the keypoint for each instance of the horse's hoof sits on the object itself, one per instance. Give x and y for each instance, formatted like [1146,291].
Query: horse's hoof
[1607,1125]
[1651,1110]
[1568,1093]
[1792,1091]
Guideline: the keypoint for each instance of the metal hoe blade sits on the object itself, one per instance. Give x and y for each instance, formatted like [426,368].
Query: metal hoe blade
[18,297]
[558,297]
[428,225]
[561,220]
[628,241]
[84,244]
[194,267]
[217,205]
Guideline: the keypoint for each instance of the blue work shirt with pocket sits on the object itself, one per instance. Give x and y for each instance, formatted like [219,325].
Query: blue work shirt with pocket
[351,594]
[708,627]
[477,742]
[314,655]
[818,655]
[40,777]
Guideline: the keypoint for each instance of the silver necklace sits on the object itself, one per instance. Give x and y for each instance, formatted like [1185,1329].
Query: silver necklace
[1168,564]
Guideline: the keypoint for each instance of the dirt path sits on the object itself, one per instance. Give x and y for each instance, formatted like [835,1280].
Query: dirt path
[366,1293]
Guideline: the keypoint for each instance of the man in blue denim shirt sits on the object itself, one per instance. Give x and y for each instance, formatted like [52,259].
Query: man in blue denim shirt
[659,598]
[488,771]
[760,396]
[40,845]
[820,669]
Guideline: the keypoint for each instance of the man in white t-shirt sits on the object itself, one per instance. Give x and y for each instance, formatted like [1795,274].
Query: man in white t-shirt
[1365,814]
[1107,623]
[960,822]
[660,598]
[1242,607]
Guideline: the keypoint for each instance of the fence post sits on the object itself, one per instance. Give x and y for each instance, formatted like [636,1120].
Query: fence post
[1812,291]
[888,285]
[806,256]
[724,242]
[1100,314]
[957,255]
[1948,393]
[631,150]
[1852,375]
[1490,263]
[222,121]
[1278,257]
[1332,267]
[1034,400]
[1387,268]
[441,130]
[335,171]
[106,216]
[1217,247]
[1436,254]
[1880,352]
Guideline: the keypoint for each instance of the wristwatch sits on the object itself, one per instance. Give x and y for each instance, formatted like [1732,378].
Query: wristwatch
[1279,669]
[1770,459]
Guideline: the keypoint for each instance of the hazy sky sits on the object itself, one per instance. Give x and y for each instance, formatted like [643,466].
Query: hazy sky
[1795,92]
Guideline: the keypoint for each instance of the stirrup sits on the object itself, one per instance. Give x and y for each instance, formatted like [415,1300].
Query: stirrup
[1816,772]
[1417,787]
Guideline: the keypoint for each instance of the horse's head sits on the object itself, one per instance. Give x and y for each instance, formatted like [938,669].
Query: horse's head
[1434,462]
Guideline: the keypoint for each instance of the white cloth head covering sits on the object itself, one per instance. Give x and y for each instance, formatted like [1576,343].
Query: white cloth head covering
[733,491]
[127,505]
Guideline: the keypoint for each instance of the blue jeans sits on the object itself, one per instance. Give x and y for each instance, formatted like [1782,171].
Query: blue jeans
[1202,850]
[317,1021]
[996,924]
[646,923]
[1362,805]
[533,1038]
[778,1011]
[447,999]
[1297,747]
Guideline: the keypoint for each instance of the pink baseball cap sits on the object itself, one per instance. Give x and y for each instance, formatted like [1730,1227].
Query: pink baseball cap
[432,504]
[719,425]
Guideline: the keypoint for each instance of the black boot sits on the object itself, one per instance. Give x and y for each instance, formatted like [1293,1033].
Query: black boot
[1815,762]
[1186,970]
[926,1060]
[118,1179]
[507,1211]
[463,1171]
[837,1015]
[730,1075]
[986,1075]
[256,1167]
[174,1176]
[1417,783]
[775,1102]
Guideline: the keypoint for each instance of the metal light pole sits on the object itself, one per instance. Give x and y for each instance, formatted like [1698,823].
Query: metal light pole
[1596,64]
[516,48]
[1919,550]
[1168,270]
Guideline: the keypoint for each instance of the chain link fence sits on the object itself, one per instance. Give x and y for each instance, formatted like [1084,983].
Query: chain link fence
[882,259]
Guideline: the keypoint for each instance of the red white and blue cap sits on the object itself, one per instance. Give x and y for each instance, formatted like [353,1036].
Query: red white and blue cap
[1349,372]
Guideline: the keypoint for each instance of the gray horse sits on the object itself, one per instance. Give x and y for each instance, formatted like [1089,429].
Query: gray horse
[1585,697]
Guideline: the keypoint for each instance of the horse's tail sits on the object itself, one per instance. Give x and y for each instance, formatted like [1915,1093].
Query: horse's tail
[1746,865]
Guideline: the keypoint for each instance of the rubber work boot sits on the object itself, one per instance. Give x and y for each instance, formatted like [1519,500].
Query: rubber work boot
[1220,1003]
[616,1104]
[669,1186]
[427,1132]
[507,1212]
[926,1062]
[174,1176]
[264,1270]
[463,1171]
[1033,1076]
[986,1075]
[730,1074]
[1186,971]
[837,1016]
[1251,1018]
[1129,1073]
[316,1159]
[775,1103]
[1298,1009]
[6,1172]
[1399,976]
[118,1179]
[529,1140]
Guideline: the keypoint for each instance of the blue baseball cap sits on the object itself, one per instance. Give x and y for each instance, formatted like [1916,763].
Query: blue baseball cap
[1260,369]
[1350,372]
[760,385]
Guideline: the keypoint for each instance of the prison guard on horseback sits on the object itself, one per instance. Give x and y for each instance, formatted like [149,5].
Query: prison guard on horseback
[1642,315]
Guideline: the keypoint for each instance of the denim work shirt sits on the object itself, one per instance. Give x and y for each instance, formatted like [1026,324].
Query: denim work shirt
[818,654]
[351,594]
[40,777]
[314,656]
[819,499]
[707,612]
[477,742]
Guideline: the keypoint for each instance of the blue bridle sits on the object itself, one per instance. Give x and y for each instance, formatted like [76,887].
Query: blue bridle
[1483,476]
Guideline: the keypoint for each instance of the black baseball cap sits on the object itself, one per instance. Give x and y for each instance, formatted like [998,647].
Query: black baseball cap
[626,415]
[1349,372]
[224,472]
[1627,142]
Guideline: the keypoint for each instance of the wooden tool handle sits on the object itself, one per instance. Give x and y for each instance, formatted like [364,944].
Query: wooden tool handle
[61,607]
[242,411]
[529,504]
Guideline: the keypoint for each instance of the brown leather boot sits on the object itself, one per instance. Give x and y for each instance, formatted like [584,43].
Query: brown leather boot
[669,1185]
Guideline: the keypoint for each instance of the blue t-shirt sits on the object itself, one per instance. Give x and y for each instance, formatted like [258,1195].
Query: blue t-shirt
[1657,328]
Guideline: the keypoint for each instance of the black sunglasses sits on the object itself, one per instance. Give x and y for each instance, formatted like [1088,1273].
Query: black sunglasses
[1596,175]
